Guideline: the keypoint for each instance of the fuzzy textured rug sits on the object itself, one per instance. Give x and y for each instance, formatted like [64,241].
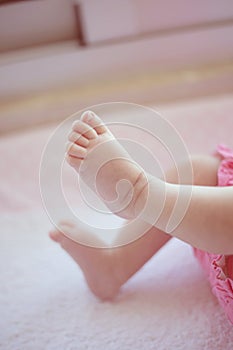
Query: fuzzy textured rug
[44,301]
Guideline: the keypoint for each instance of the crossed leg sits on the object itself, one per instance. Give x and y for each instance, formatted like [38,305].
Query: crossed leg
[107,269]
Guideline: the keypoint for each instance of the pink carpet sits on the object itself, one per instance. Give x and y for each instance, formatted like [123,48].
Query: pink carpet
[44,301]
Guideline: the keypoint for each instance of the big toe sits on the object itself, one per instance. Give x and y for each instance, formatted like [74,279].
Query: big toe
[95,122]
[55,235]
[64,227]
[84,129]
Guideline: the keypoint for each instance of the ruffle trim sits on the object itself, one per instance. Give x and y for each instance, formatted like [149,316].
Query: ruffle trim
[219,268]
[222,286]
[216,267]
[225,171]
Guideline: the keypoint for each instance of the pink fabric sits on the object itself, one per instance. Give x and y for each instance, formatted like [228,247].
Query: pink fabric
[220,267]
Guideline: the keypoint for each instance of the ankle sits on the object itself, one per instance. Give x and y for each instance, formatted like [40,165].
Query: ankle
[140,193]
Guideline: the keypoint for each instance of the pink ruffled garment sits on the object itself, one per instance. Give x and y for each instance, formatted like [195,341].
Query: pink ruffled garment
[219,268]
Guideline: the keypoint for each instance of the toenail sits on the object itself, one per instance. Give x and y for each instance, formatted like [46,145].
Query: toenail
[85,116]
[90,116]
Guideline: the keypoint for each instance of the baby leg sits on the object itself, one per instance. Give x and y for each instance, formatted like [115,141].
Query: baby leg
[105,269]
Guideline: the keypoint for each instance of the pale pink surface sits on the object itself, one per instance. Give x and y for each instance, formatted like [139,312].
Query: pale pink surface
[44,301]
[19,168]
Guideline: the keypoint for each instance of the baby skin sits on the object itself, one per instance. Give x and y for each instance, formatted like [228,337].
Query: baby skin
[105,166]
[126,189]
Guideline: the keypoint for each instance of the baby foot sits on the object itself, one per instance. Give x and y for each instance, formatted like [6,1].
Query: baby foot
[105,166]
[98,265]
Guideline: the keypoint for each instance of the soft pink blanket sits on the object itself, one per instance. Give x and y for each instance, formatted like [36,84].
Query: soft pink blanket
[44,301]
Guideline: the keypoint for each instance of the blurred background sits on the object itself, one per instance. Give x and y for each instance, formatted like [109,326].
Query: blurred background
[59,56]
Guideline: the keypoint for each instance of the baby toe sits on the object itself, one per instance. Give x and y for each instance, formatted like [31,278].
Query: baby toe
[84,129]
[67,224]
[60,238]
[75,150]
[94,121]
[55,235]
[78,139]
